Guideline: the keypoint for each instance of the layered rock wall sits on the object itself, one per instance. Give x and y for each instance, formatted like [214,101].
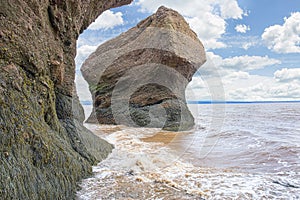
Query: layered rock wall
[44,148]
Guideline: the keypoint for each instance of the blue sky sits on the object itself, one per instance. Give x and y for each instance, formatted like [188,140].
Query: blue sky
[252,47]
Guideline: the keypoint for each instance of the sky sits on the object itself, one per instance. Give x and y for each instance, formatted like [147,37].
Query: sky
[252,47]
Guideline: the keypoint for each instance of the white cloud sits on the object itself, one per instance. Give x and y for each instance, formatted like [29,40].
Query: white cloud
[209,31]
[285,91]
[247,45]
[242,28]
[244,87]
[86,50]
[248,63]
[284,38]
[82,53]
[241,63]
[243,41]
[107,20]
[231,74]
[206,18]
[82,88]
[238,75]
[265,88]
[285,75]
[230,9]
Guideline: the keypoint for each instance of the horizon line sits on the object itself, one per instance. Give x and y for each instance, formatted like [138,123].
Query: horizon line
[88,102]
[239,101]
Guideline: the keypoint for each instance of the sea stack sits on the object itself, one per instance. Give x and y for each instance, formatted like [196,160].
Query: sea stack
[139,78]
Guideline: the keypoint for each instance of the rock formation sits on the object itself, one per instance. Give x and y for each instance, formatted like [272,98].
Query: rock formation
[44,148]
[139,78]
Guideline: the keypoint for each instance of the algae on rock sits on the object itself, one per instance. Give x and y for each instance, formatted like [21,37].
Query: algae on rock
[44,147]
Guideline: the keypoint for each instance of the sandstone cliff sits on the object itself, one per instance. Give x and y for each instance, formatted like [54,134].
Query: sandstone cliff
[139,78]
[44,148]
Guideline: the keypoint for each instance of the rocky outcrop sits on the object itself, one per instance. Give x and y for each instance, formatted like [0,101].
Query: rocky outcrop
[44,148]
[139,78]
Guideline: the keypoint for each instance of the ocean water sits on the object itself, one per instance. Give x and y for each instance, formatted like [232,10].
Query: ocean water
[235,151]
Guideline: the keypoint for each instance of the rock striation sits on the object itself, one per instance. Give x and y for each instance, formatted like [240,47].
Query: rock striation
[139,78]
[44,148]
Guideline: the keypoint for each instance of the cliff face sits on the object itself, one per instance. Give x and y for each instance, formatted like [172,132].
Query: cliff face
[139,78]
[44,148]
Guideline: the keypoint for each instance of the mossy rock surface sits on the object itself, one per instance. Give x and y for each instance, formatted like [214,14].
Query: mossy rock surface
[44,148]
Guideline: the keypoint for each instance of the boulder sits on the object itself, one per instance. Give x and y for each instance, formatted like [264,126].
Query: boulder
[139,78]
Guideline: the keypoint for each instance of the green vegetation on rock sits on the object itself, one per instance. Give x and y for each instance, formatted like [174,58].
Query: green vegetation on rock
[44,148]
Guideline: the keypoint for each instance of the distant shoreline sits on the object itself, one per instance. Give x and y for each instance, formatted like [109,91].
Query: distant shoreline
[219,102]
[240,102]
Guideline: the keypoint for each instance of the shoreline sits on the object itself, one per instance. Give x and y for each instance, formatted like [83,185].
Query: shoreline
[249,162]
